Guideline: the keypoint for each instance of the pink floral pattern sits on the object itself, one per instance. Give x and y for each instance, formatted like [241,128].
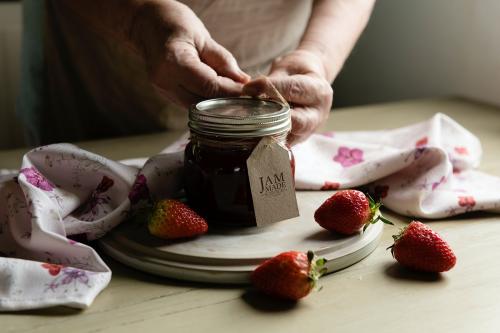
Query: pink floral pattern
[140,190]
[69,275]
[419,152]
[105,184]
[330,186]
[348,157]
[53,269]
[98,199]
[462,150]
[35,178]
[435,185]
[466,201]
[329,134]
[422,142]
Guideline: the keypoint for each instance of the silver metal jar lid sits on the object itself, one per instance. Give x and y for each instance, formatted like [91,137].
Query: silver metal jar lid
[239,117]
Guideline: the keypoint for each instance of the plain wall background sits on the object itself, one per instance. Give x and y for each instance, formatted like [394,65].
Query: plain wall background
[11,134]
[410,49]
[425,48]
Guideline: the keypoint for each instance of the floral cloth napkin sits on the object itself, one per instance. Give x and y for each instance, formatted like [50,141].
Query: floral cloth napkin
[62,195]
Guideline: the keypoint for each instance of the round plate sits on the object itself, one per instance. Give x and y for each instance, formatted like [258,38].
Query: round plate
[229,256]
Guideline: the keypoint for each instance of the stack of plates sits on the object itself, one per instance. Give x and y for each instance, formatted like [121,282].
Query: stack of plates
[228,256]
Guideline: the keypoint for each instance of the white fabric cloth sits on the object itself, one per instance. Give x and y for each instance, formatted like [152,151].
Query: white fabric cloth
[424,170]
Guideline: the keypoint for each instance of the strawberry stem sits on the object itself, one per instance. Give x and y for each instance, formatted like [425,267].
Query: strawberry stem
[386,221]
[310,256]
[376,215]
[396,238]
[392,249]
[317,268]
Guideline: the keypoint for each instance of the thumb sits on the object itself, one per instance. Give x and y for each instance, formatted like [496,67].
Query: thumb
[222,61]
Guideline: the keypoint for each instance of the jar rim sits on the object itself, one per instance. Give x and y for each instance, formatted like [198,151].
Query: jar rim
[239,117]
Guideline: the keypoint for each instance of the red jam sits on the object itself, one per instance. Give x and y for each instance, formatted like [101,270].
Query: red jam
[224,132]
[216,179]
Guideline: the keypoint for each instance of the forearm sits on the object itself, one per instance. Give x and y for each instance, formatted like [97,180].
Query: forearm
[333,29]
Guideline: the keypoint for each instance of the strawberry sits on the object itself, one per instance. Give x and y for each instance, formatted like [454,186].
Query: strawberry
[290,275]
[420,248]
[345,212]
[171,219]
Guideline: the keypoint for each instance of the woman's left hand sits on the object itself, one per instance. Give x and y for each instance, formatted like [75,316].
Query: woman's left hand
[300,77]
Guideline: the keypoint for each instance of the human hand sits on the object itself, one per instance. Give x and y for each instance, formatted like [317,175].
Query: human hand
[300,77]
[185,64]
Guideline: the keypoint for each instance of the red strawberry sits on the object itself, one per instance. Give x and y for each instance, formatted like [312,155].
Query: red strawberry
[347,211]
[420,248]
[290,275]
[172,219]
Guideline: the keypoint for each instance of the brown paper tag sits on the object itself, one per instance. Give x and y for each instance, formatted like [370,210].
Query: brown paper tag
[271,183]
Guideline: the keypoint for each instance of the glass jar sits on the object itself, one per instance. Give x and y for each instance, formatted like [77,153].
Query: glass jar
[224,132]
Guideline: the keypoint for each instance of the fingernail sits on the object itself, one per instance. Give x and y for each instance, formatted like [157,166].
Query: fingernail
[249,90]
[244,76]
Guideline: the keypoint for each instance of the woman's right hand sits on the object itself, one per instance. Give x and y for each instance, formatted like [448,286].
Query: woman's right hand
[184,62]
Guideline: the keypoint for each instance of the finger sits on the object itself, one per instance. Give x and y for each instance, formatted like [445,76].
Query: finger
[201,80]
[222,61]
[256,86]
[183,66]
[302,89]
[293,139]
[304,122]
[299,89]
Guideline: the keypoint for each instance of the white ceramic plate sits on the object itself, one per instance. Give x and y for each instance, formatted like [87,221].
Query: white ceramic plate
[228,256]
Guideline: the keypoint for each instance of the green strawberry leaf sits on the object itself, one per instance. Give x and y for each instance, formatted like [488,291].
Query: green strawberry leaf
[376,215]
[317,269]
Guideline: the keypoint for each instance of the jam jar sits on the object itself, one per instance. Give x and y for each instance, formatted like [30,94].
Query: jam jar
[223,134]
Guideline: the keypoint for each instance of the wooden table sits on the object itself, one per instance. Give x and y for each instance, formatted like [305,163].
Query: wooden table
[374,295]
